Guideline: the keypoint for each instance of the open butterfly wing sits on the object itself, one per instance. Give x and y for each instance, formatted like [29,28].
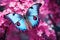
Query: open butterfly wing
[32,16]
[33,13]
[18,20]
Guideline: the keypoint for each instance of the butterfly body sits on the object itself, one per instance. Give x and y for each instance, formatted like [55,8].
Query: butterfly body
[26,21]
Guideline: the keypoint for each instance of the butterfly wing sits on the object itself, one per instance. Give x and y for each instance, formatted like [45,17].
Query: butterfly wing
[18,20]
[33,13]
[32,16]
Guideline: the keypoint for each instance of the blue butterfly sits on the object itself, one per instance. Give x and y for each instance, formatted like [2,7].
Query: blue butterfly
[30,19]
